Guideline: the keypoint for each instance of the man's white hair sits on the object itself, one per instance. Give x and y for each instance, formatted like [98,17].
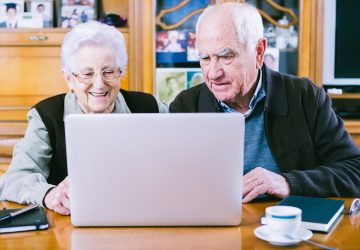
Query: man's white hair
[247,21]
[93,33]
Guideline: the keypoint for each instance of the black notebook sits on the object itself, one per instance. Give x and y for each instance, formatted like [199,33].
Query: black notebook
[32,220]
[318,214]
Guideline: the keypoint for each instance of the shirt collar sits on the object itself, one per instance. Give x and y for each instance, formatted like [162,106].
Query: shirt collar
[257,97]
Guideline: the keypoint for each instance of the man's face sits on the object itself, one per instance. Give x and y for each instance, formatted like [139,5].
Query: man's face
[40,9]
[11,13]
[229,69]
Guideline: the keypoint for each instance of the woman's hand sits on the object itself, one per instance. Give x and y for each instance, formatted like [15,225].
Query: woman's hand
[58,198]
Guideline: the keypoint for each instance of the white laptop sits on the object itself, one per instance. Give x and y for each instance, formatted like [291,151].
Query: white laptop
[155,169]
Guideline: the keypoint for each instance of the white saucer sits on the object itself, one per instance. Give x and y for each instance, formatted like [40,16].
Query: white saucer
[264,233]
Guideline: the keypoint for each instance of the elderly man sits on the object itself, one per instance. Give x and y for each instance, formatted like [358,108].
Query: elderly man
[294,142]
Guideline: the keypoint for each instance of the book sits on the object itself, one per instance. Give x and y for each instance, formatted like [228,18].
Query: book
[32,220]
[318,214]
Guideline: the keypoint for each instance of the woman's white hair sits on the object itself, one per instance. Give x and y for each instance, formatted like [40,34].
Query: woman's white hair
[93,33]
[247,21]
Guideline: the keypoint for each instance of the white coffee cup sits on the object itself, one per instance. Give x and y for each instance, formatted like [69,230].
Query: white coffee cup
[283,219]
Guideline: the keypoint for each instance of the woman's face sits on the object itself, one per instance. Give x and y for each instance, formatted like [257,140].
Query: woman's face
[95,95]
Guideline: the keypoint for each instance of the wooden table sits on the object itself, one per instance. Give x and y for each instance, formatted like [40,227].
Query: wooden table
[62,235]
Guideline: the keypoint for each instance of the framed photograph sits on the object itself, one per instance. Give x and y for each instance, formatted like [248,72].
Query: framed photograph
[170,82]
[192,53]
[73,12]
[43,8]
[194,77]
[271,58]
[10,13]
[30,20]
[170,41]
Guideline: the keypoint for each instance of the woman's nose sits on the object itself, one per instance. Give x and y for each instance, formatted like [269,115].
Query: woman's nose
[98,80]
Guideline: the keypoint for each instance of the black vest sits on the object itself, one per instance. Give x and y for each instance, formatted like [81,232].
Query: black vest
[51,111]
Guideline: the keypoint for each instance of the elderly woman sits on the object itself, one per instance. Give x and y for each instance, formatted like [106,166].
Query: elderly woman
[93,58]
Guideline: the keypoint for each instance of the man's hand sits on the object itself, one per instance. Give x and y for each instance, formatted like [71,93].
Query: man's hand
[261,181]
[58,198]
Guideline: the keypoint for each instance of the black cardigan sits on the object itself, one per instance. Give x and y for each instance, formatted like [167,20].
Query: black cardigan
[307,139]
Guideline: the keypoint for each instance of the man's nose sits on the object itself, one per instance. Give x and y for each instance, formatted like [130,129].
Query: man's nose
[215,70]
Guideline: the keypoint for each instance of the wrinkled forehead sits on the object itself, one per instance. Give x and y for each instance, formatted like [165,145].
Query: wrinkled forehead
[215,34]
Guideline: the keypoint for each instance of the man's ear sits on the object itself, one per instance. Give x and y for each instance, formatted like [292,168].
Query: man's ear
[260,51]
[68,80]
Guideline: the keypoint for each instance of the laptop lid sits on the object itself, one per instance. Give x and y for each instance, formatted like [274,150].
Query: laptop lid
[155,169]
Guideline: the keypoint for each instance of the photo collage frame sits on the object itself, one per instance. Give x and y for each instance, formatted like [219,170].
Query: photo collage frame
[74,12]
[177,59]
[44,14]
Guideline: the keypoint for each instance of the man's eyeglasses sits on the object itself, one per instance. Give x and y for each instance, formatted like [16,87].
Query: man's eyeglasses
[355,207]
[107,75]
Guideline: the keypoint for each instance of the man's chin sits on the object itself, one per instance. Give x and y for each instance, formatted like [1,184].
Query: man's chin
[222,97]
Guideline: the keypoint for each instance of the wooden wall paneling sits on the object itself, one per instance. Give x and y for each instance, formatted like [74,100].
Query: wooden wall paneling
[319,8]
[141,45]
[148,70]
[135,50]
[310,40]
[304,38]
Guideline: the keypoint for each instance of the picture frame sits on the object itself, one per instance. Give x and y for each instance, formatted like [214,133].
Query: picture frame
[73,12]
[192,52]
[170,82]
[172,41]
[30,20]
[194,77]
[43,8]
[10,13]
[271,58]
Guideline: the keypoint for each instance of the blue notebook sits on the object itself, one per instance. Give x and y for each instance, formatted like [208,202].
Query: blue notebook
[318,214]
[32,220]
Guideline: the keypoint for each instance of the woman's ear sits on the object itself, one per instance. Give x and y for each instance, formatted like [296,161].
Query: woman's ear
[69,82]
